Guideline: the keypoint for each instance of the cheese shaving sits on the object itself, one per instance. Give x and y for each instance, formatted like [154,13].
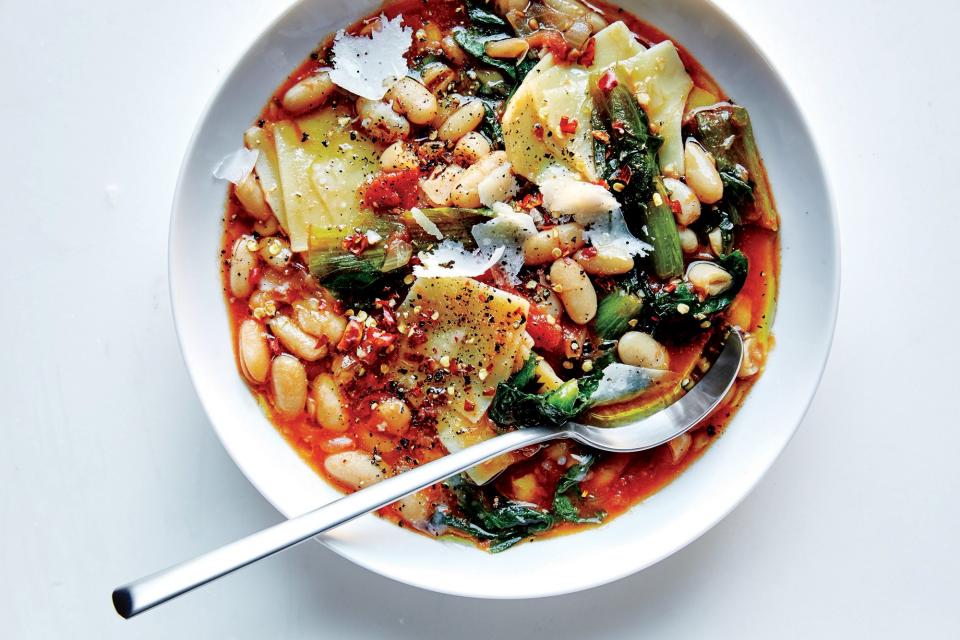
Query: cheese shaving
[508,230]
[237,165]
[426,223]
[622,382]
[368,66]
[584,201]
[611,231]
[451,260]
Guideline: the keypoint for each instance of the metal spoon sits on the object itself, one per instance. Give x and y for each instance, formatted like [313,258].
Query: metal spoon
[146,593]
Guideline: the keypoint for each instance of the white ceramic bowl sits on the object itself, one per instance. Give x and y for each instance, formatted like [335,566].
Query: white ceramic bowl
[650,531]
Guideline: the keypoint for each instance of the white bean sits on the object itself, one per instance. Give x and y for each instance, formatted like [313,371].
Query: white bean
[701,173]
[575,290]
[267,227]
[319,321]
[393,416]
[380,120]
[548,245]
[466,189]
[688,241]
[275,252]
[308,94]
[715,237]
[250,195]
[689,204]
[298,341]
[453,51]
[462,121]
[288,378]
[641,350]
[399,156]
[437,76]
[254,351]
[753,356]
[439,186]
[508,48]
[355,469]
[329,411]
[709,279]
[471,148]
[606,261]
[416,508]
[242,261]
[679,447]
[413,100]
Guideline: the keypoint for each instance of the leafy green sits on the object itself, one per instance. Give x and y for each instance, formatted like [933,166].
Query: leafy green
[490,126]
[682,311]
[568,490]
[485,20]
[513,406]
[338,269]
[633,160]
[487,27]
[633,166]
[615,312]
[660,230]
[454,223]
[726,132]
[488,516]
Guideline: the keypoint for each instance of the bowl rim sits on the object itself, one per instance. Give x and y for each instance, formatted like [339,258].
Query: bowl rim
[627,568]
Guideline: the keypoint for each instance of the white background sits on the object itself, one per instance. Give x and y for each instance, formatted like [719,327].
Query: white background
[108,468]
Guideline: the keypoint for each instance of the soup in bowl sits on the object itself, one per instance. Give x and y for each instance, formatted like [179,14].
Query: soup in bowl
[454,219]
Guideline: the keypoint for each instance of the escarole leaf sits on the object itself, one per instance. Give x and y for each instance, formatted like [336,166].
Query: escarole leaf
[487,516]
[513,405]
[453,222]
[630,163]
[682,310]
[487,27]
[567,494]
[725,131]
[615,312]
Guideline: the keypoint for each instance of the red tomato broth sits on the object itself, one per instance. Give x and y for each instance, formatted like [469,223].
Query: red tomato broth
[616,482]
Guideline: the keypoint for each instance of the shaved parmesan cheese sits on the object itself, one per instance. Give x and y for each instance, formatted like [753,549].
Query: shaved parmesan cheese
[237,165]
[451,260]
[508,230]
[611,231]
[368,66]
[498,186]
[426,223]
[622,382]
[584,201]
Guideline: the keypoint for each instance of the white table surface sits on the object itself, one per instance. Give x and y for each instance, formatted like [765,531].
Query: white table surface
[108,468]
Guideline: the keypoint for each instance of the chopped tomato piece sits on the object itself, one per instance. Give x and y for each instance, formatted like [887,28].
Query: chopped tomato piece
[531,200]
[546,335]
[394,189]
[552,41]
[586,58]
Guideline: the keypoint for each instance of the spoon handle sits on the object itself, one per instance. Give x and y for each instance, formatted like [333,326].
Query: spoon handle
[146,593]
